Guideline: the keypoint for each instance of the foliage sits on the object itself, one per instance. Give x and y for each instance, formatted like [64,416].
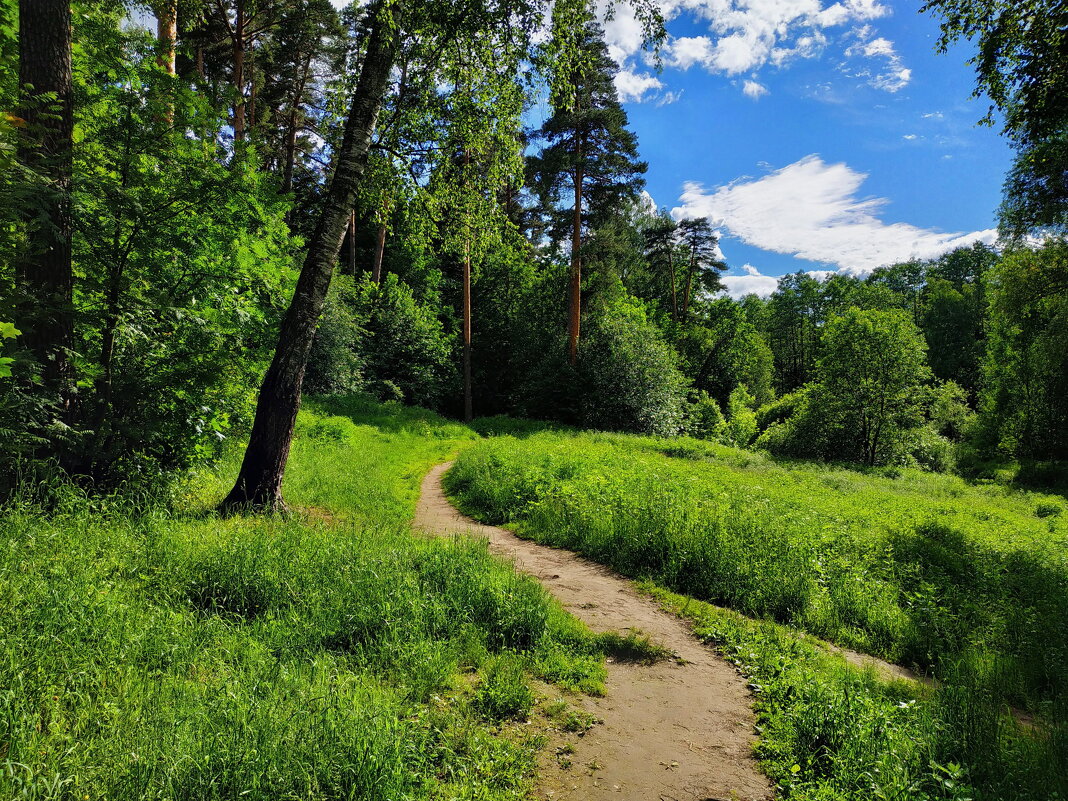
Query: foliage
[628,380]
[704,420]
[741,427]
[382,339]
[1019,65]
[1024,407]
[868,392]
[586,136]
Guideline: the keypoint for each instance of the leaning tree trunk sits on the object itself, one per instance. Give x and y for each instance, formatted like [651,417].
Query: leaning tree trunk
[259,484]
[44,272]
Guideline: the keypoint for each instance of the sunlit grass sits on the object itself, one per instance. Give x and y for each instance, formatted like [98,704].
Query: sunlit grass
[148,654]
[967,582]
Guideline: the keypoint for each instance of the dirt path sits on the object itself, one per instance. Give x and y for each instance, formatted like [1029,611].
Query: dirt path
[674,731]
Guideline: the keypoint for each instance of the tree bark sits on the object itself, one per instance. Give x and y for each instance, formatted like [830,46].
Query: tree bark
[468,402]
[468,397]
[674,293]
[689,286]
[352,243]
[259,483]
[167,34]
[238,40]
[291,130]
[44,273]
[575,305]
[380,254]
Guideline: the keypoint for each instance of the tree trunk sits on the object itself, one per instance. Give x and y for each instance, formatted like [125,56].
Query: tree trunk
[44,273]
[291,131]
[238,40]
[352,243]
[674,293]
[259,484]
[167,34]
[468,404]
[689,286]
[468,400]
[575,304]
[251,108]
[380,254]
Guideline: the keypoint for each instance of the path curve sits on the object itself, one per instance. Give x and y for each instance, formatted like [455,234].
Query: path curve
[679,730]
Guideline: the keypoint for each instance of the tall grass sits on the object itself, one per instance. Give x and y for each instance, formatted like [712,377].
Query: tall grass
[329,654]
[969,583]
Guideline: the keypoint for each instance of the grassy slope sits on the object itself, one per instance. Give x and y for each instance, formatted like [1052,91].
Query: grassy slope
[148,655]
[970,582]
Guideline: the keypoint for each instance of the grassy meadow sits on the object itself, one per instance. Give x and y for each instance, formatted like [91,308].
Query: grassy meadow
[967,583]
[148,653]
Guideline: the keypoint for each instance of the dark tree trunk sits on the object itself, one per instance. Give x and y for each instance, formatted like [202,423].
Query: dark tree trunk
[259,484]
[291,130]
[468,397]
[689,286]
[44,272]
[352,243]
[674,293]
[380,253]
[575,304]
[238,41]
[468,401]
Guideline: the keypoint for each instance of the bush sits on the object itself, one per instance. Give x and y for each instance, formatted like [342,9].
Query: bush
[741,427]
[335,364]
[628,379]
[704,420]
[380,339]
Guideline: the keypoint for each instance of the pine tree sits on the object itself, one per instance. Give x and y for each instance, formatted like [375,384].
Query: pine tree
[45,272]
[589,153]
[661,241]
[705,264]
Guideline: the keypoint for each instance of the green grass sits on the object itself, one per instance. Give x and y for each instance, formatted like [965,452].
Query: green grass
[327,654]
[967,582]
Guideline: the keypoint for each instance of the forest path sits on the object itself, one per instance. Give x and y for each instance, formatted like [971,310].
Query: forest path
[678,730]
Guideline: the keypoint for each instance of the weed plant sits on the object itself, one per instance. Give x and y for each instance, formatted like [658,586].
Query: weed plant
[966,582]
[153,654]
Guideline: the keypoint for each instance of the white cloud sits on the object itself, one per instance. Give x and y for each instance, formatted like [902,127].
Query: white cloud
[746,35]
[894,75]
[752,283]
[910,137]
[811,210]
[633,86]
[754,90]
[689,50]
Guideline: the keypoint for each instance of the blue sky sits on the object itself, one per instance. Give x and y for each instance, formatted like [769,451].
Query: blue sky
[815,135]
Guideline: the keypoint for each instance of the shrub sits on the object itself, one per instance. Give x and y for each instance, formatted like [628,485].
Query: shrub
[741,427]
[704,420]
[628,377]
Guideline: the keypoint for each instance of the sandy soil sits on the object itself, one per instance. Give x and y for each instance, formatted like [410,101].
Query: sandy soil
[679,730]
